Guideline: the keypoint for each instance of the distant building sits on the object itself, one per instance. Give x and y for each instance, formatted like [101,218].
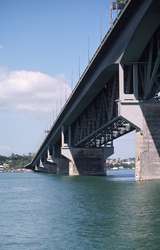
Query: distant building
[1,168]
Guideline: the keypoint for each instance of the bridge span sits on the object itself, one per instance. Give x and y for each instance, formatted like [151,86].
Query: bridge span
[117,93]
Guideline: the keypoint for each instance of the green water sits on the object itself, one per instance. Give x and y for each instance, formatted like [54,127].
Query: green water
[43,212]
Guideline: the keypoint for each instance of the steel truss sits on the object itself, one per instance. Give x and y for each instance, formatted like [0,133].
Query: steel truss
[148,71]
[100,111]
[107,133]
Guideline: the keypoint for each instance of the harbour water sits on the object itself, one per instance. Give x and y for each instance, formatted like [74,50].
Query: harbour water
[45,212]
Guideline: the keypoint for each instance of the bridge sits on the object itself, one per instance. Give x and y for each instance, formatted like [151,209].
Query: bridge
[117,93]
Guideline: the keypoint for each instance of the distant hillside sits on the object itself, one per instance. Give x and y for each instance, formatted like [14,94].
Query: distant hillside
[15,160]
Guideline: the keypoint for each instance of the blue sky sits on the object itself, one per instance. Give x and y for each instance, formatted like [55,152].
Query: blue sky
[41,44]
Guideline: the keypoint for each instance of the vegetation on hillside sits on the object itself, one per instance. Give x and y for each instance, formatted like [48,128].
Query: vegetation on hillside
[15,161]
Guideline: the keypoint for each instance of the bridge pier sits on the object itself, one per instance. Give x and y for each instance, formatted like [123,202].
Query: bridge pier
[146,116]
[148,144]
[61,163]
[49,167]
[87,161]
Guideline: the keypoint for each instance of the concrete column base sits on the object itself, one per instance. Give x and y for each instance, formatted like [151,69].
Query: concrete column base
[87,161]
[62,166]
[48,167]
[148,144]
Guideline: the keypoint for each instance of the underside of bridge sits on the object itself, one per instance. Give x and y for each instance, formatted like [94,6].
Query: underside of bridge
[119,93]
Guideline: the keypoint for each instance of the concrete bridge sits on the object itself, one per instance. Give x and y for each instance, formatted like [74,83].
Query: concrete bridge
[117,93]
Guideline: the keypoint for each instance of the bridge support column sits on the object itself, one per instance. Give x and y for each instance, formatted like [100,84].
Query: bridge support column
[61,163]
[148,144]
[46,164]
[49,167]
[87,161]
[146,116]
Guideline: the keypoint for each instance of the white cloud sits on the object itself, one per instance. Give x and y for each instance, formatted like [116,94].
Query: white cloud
[31,91]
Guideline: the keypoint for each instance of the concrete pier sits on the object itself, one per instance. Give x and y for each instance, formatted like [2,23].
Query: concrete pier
[62,165]
[46,167]
[84,161]
[148,144]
